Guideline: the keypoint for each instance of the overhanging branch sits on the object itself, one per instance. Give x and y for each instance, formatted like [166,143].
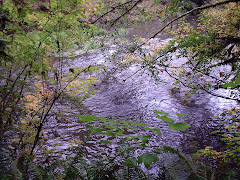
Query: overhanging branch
[193,10]
[113,9]
[127,11]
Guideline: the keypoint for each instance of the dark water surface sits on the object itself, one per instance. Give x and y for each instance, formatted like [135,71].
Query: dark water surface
[137,97]
[124,94]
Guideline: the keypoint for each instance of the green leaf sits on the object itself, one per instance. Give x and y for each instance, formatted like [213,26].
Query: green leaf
[147,159]
[150,129]
[89,127]
[87,118]
[103,119]
[181,115]
[108,126]
[127,122]
[144,139]
[179,126]
[112,121]
[153,130]
[5,176]
[231,85]
[120,132]
[109,133]
[99,131]
[158,131]
[130,162]
[165,118]
[105,142]
[140,124]
[159,112]
[237,81]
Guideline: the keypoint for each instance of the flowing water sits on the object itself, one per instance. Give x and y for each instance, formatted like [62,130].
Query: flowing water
[123,93]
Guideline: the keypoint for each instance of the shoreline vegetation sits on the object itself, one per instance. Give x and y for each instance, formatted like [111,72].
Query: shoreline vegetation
[41,88]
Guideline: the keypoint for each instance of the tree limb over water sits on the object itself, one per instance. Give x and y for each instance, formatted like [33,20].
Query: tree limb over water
[193,10]
[113,9]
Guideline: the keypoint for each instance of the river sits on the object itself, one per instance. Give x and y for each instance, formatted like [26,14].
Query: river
[123,93]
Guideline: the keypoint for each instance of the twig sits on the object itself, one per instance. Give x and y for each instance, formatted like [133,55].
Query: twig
[193,10]
[209,92]
[44,116]
[127,11]
[113,8]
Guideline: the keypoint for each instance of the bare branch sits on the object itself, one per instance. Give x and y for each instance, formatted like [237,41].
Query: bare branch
[113,8]
[193,10]
[201,88]
[127,11]
[43,117]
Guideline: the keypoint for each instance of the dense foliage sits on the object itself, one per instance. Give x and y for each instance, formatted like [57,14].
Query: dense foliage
[38,40]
